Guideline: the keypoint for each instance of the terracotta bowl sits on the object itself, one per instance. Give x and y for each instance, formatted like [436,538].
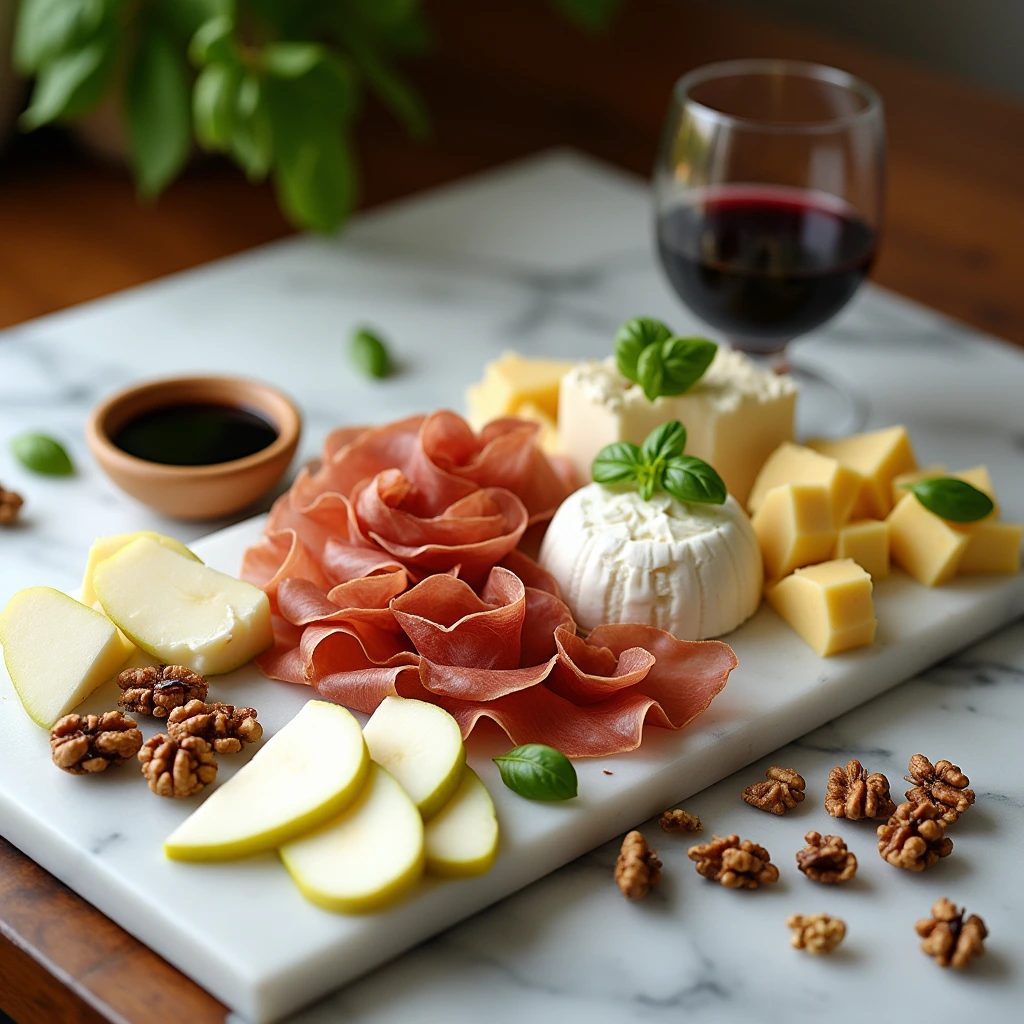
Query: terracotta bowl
[195,492]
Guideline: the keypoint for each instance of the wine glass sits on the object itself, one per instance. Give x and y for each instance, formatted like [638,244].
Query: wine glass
[768,192]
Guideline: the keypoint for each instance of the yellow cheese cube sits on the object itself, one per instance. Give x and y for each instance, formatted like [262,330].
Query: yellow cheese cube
[922,543]
[548,437]
[866,541]
[795,464]
[794,528]
[878,456]
[828,605]
[512,381]
[901,482]
[992,547]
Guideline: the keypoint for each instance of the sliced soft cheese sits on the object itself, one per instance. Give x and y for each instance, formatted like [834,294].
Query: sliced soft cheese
[693,570]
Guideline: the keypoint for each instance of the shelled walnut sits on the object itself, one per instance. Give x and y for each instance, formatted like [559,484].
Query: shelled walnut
[914,837]
[817,933]
[677,820]
[10,506]
[952,941]
[177,769]
[943,783]
[157,690]
[226,728]
[826,859]
[86,744]
[852,793]
[637,869]
[783,791]
[734,864]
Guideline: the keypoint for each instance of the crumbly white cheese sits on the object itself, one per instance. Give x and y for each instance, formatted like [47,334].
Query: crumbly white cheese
[693,570]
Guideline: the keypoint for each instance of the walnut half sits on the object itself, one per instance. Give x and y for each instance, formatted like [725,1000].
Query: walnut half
[86,744]
[783,791]
[817,933]
[175,769]
[226,728]
[732,863]
[10,506]
[948,938]
[637,869]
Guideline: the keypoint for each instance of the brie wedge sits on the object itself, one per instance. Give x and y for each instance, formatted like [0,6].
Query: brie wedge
[693,570]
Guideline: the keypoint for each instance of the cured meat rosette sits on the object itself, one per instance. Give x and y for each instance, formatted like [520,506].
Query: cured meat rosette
[397,567]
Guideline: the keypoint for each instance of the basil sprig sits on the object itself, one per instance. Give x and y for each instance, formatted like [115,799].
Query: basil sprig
[952,499]
[42,454]
[538,772]
[648,354]
[660,465]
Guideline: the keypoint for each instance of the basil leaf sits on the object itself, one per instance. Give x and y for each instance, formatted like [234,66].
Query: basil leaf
[649,479]
[213,41]
[213,102]
[617,463]
[632,338]
[46,28]
[952,499]
[251,141]
[691,479]
[665,442]
[370,354]
[684,361]
[42,454]
[650,373]
[538,772]
[292,60]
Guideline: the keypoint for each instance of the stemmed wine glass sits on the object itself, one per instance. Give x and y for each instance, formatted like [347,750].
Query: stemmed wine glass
[768,193]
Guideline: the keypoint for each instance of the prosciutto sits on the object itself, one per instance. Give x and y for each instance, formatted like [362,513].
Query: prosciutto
[398,567]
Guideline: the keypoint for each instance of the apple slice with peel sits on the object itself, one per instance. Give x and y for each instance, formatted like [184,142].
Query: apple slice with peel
[104,547]
[420,744]
[57,651]
[365,859]
[462,838]
[304,775]
[181,611]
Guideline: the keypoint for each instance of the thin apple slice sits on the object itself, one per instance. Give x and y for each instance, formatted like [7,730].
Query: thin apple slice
[306,774]
[57,651]
[462,838]
[369,857]
[181,611]
[420,744]
[103,547]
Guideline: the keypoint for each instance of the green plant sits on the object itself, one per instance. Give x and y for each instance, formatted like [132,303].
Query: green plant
[273,84]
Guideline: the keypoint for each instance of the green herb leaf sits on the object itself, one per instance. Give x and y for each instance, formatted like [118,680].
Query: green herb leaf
[665,442]
[46,28]
[213,105]
[688,478]
[292,60]
[617,463]
[538,772]
[213,41]
[684,361]
[42,454]
[251,141]
[650,372]
[952,499]
[370,354]
[632,338]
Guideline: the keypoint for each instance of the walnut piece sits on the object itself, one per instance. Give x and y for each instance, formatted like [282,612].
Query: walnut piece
[637,869]
[914,837]
[226,728]
[176,769]
[952,941]
[943,783]
[783,791]
[10,506]
[734,864]
[826,859]
[678,820]
[157,690]
[852,793]
[86,744]
[817,933]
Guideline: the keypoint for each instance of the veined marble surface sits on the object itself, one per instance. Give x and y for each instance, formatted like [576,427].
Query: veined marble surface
[551,256]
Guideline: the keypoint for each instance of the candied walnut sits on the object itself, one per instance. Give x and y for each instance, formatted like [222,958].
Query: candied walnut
[952,941]
[914,837]
[637,869]
[226,728]
[177,769]
[10,506]
[678,820]
[817,933]
[734,864]
[783,791]
[157,690]
[852,793]
[943,783]
[826,859]
[86,744]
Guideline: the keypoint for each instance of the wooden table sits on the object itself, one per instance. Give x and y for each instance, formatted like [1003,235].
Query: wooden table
[507,79]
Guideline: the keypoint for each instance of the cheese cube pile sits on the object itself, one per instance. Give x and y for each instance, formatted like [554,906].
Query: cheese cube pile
[866,541]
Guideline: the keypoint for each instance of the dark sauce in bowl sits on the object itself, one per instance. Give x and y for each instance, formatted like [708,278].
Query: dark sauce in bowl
[195,435]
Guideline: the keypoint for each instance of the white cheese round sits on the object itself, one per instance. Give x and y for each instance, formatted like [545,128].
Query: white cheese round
[693,570]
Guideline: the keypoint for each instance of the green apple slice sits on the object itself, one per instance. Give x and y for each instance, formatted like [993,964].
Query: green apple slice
[369,857]
[420,744]
[303,776]
[181,611]
[57,651]
[104,547]
[462,838]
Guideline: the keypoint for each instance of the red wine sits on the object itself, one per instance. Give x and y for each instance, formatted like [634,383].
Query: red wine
[765,265]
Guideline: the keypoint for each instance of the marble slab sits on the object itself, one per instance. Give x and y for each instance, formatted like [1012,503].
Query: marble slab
[547,256]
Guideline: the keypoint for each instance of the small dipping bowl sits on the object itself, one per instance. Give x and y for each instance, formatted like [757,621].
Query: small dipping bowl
[195,492]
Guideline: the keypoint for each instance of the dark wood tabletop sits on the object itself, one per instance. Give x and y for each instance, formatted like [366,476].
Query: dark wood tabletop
[506,78]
